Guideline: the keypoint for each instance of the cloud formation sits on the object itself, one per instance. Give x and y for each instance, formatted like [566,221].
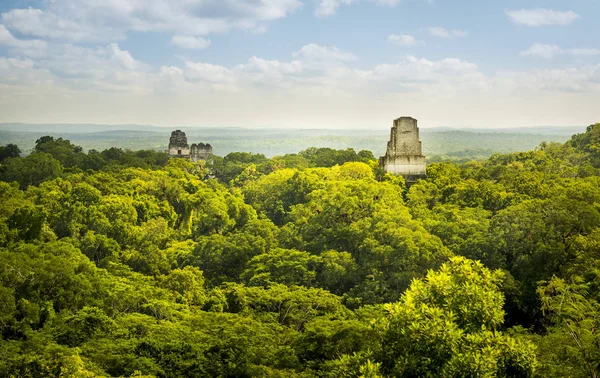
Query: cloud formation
[541,17]
[7,39]
[105,21]
[73,59]
[327,8]
[542,50]
[190,42]
[550,51]
[404,40]
[314,52]
[441,32]
[311,66]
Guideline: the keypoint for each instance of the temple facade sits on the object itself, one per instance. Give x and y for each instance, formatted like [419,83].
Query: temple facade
[179,147]
[404,155]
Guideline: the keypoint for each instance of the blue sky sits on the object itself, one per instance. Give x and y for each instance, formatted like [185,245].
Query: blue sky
[301,63]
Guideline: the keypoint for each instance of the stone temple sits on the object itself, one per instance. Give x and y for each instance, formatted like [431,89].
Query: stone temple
[179,147]
[404,156]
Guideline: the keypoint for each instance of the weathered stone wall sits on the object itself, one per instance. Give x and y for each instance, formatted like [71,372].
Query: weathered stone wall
[406,165]
[404,138]
[404,155]
[179,152]
[200,151]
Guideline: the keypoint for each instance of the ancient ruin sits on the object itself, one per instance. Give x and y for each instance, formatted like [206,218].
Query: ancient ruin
[200,151]
[179,147]
[404,155]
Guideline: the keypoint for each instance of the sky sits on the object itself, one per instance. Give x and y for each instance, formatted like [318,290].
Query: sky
[301,63]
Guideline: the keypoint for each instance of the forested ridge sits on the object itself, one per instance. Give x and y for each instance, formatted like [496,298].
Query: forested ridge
[316,264]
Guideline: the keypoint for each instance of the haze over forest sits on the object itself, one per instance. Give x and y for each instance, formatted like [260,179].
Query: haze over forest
[438,143]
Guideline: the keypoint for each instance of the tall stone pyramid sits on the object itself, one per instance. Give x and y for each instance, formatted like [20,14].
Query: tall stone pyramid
[404,155]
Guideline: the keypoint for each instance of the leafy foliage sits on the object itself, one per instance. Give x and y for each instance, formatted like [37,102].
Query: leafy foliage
[123,263]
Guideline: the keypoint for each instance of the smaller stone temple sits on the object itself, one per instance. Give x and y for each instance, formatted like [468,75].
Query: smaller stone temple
[404,155]
[179,147]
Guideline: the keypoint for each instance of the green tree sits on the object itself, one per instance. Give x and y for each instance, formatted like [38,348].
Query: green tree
[9,151]
[572,344]
[31,170]
[284,266]
[589,142]
[61,149]
[448,324]
[27,221]
[187,284]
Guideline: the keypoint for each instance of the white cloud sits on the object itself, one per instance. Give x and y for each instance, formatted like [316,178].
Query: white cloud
[441,32]
[583,79]
[67,50]
[123,58]
[422,75]
[307,74]
[190,42]
[170,71]
[542,50]
[106,21]
[405,40]
[20,63]
[325,70]
[7,39]
[271,67]
[270,74]
[48,25]
[20,75]
[315,86]
[67,66]
[550,51]
[314,52]
[329,7]
[211,73]
[541,17]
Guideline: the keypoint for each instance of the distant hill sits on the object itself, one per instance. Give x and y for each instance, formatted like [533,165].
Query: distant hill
[439,142]
[550,130]
[71,128]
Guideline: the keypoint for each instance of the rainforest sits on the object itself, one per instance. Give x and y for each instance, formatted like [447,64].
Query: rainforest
[317,264]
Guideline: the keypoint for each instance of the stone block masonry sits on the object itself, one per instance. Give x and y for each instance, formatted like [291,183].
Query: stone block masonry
[404,155]
[200,151]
